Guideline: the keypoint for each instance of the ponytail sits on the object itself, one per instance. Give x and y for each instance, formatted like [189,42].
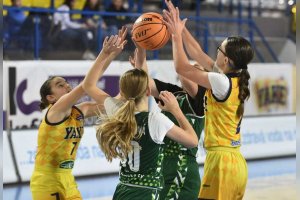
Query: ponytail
[44,91]
[115,134]
[240,52]
[244,91]
[43,104]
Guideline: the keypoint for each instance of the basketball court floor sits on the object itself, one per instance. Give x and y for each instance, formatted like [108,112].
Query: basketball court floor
[270,179]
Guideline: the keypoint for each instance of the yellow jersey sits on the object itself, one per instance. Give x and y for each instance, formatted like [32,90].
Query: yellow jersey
[222,125]
[58,142]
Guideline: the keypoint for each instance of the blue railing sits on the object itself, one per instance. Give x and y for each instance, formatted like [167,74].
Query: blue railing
[199,19]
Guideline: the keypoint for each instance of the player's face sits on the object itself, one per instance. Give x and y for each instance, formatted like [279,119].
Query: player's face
[118,3]
[222,59]
[72,4]
[59,87]
[93,2]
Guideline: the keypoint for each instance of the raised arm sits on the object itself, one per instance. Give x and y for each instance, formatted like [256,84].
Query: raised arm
[62,108]
[139,61]
[112,46]
[183,67]
[195,51]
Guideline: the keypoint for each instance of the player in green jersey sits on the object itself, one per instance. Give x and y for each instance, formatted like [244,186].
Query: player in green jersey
[132,133]
[180,168]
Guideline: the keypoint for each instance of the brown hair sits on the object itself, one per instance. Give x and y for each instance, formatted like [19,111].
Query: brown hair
[239,50]
[44,91]
[115,134]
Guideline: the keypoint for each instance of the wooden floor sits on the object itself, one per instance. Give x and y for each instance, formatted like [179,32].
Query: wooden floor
[281,187]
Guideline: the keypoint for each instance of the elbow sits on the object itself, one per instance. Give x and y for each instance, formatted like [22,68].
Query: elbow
[194,142]
[179,68]
[86,87]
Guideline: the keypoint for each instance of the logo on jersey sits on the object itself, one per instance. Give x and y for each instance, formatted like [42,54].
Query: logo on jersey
[79,117]
[73,132]
[235,143]
[67,164]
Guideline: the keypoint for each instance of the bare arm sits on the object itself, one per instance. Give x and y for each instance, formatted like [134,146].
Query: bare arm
[184,134]
[182,65]
[111,48]
[139,61]
[195,51]
[62,108]
[189,86]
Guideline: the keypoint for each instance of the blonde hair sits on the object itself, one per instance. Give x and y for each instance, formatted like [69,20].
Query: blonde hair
[115,133]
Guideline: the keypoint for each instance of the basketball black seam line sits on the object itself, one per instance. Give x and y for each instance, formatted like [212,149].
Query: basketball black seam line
[145,25]
[162,39]
[151,35]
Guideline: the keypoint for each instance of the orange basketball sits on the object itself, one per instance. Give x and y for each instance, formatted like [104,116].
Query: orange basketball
[150,32]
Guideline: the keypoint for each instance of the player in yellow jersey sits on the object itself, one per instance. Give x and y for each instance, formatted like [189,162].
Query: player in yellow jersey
[58,139]
[226,80]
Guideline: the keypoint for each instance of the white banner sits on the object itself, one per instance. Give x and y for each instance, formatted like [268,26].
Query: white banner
[24,144]
[262,137]
[271,86]
[89,158]
[26,78]
[5,102]
[268,136]
[29,77]
[9,172]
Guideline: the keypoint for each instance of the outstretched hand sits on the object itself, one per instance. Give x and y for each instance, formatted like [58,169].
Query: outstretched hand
[123,33]
[113,45]
[138,56]
[132,60]
[172,19]
[170,103]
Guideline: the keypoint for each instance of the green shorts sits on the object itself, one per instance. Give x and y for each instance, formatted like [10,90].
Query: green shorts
[182,178]
[126,192]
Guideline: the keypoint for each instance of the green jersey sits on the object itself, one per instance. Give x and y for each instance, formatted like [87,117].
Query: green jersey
[192,108]
[141,171]
[143,165]
[180,168]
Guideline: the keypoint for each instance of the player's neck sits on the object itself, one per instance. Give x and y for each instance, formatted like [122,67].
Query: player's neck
[142,105]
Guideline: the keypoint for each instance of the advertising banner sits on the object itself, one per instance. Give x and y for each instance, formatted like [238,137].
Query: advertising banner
[89,158]
[26,78]
[268,136]
[272,89]
[262,137]
[271,86]
[9,172]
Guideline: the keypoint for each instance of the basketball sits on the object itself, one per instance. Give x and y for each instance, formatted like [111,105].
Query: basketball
[150,32]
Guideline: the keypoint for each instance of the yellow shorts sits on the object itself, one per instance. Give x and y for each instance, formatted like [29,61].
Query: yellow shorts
[225,174]
[58,184]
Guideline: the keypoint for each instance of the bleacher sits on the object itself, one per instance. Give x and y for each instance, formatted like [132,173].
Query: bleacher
[209,22]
